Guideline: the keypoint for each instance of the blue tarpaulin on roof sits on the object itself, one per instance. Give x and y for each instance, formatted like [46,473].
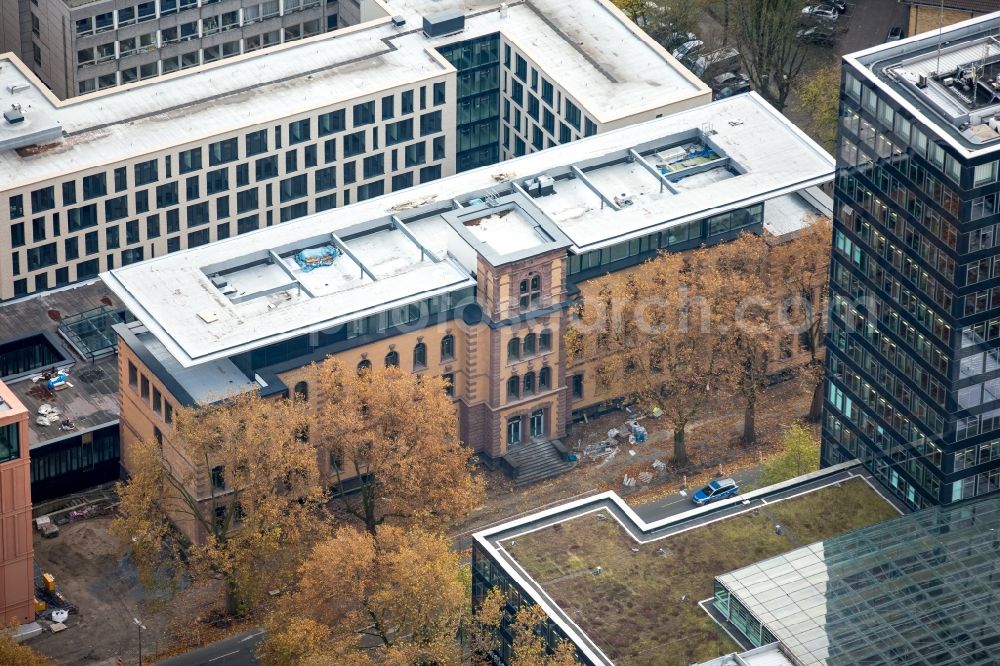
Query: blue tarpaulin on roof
[316,257]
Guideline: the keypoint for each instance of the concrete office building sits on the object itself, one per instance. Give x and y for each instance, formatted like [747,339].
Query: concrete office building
[79,46]
[189,158]
[474,277]
[17,575]
[913,354]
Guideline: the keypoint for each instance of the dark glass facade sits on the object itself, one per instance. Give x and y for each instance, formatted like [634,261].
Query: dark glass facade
[477,133]
[913,353]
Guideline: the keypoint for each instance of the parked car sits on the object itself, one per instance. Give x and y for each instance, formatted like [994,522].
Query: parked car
[729,84]
[675,39]
[839,5]
[818,34]
[688,49]
[895,34]
[819,13]
[726,59]
[716,490]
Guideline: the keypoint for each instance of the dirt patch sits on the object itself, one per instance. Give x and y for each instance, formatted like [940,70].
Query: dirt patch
[93,575]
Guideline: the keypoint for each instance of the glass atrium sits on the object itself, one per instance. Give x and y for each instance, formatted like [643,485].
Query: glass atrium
[920,589]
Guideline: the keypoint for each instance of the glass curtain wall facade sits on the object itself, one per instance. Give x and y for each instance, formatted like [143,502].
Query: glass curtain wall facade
[913,366]
[478,104]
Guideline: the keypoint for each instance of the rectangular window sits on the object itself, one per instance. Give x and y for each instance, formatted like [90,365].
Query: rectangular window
[42,257]
[399,132]
[189,160]
[222,152]
[95,185]
[115,208]
[43,199]
[402,180]
[388,107]
[430,123]
[374,166]
[370,190]
[325,179]
[145,172]
[298,131]
[354,144]
[246,224]
[256,143]
[167,195]
[294,211]
[10,443]
[294,188]
[266,167]
[217,181]
[364,114]
[334,121]
[17,234]
[198,238]
[246,200]
[197,214]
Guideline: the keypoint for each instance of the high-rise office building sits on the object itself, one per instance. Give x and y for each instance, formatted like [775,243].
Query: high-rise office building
[913,364]
[189,158]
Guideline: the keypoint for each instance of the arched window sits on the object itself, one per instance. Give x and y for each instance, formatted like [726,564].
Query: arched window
[419,356]
[528,346]
[529,383]
[525,297]
[447,348]
[364,366]
[392,358]
[545,379]
[514,349]
[545,341]
[536,291]
[301,390]
[513,387]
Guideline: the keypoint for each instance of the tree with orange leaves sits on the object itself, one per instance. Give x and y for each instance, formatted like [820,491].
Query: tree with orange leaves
[242,474]
[399,433]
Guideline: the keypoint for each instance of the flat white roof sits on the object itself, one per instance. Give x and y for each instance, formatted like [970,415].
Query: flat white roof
[589,48]
[167,293]
[894,67]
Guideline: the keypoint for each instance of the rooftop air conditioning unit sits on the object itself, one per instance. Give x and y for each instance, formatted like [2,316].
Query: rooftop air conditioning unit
[13,116]
[398,21]
[922,81]
[444,23]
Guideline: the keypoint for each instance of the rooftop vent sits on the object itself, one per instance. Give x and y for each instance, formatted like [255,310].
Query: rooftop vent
[13,116]
[398,21]
[15,88]
[444,23]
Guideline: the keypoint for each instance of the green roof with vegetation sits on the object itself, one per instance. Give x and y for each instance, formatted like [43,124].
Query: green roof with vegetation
[642,608]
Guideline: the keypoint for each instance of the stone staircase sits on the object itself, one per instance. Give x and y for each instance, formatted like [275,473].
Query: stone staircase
[534,461]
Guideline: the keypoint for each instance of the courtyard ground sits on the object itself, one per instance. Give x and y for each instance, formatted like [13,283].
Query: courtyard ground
[712,446]
[93,575]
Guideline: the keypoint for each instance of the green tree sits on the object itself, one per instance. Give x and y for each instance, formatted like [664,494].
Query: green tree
[800,455]
[819,102]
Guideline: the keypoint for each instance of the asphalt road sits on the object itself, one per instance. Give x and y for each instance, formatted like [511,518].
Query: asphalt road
[676,503]
[235,651]
[867,22]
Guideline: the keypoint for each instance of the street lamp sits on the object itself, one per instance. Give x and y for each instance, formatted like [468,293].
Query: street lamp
[141,627]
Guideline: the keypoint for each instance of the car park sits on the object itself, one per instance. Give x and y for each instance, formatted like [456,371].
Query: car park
[715,491]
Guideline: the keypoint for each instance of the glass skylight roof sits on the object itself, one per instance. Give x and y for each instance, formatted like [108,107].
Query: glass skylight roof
[921,589]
